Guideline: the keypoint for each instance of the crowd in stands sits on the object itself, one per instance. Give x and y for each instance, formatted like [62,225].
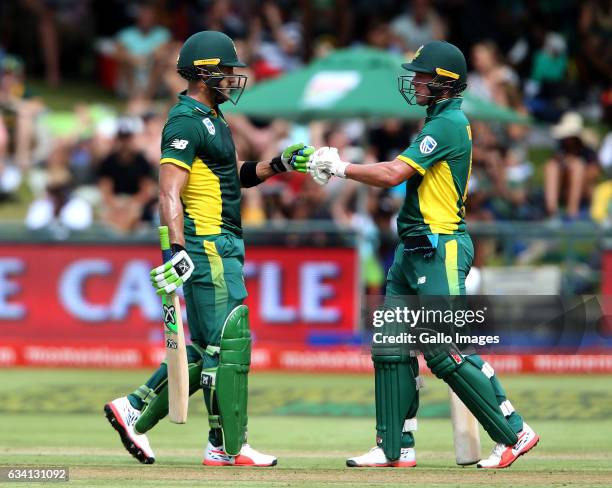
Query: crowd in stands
[549,60]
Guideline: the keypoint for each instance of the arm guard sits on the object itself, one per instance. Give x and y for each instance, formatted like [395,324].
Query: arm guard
[248,174]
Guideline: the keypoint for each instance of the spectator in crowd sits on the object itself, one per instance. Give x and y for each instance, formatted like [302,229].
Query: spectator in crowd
[219,15]
[378,35]
[595,25]
[496,81]
[490,76]
[170,81]
[574,167]
[276,37]
[19,109]
[125,181]
[605,151]
[311,203]
[418,25]
[49,42]
[10,177]
[59,208]
[149,139]
[58,21]
[389,138]
[277,42]
[548,81]
[138,52]
[601,204]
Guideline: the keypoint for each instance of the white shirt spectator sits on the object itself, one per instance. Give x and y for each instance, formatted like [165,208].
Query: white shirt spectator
[76,214]
[605,152]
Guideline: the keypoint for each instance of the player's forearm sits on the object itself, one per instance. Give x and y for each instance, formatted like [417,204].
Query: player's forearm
[171,214]
[264,170]
[382,175]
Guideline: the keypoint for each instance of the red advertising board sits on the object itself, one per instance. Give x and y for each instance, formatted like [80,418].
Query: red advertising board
[277,357]
[100,294]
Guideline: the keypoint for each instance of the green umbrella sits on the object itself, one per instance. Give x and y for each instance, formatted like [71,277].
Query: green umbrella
[357,82]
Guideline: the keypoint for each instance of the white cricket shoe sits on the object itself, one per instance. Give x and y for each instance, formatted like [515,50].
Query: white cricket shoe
[375,458]
[503,455]
[216,456]
[122,416]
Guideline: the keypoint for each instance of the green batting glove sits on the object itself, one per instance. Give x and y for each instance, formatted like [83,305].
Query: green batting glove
[173,273]
[294,157]
[301,157]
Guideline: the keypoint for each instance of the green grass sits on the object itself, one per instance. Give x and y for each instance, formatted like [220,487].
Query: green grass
[16,206]
[54,417]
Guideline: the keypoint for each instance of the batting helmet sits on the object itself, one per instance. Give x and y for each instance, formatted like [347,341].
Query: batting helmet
[202,57]
[441,59]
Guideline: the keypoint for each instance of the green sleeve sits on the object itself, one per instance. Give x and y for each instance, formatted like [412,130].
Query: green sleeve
[181,140]
[429,147]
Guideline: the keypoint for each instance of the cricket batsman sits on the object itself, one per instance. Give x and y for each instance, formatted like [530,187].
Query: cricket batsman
[433,258]
[199,183]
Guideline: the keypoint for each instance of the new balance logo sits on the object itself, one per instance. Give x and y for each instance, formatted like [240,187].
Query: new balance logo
[179,143]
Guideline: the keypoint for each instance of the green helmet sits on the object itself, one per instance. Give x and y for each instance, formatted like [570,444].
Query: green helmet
[441,59]
[203,56]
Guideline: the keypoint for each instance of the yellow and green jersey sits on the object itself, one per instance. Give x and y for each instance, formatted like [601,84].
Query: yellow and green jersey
[198,139]
[442,156]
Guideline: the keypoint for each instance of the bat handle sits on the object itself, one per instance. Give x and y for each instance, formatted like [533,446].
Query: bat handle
[164,240]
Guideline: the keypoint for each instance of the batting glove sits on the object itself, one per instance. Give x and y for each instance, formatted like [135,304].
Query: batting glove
[325,163]
[173,273]
[294,157]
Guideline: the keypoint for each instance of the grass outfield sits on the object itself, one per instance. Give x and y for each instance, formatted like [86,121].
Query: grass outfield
[311,422]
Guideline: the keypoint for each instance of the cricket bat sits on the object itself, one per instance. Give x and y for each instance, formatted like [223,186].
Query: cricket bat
[176,354]
[466,433]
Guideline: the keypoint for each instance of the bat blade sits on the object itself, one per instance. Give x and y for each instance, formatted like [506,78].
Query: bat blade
[466,432]
[176,353]
[176,361]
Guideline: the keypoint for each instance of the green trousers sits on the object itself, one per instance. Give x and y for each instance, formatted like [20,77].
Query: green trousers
[442,272]
[214,289]
[216,286]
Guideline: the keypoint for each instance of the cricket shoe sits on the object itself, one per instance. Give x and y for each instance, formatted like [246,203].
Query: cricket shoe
[504,455]
[375,458]
[216,456]
[122,416]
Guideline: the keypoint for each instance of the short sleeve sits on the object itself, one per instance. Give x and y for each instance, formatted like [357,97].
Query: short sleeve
[145,169]
[162,35]
[124,37]
[429,147]
[180,142]
[105,169]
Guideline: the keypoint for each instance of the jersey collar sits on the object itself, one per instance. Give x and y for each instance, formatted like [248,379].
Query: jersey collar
[443,105]
[194,104]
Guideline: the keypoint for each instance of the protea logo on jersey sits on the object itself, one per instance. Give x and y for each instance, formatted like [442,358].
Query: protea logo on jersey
[210,127]
[428,144]
[170,317]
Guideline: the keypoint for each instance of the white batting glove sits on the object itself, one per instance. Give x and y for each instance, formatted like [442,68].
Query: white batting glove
[326,162]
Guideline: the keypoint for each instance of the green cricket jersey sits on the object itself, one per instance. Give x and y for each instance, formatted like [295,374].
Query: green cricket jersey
[198,139]
[442,156]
